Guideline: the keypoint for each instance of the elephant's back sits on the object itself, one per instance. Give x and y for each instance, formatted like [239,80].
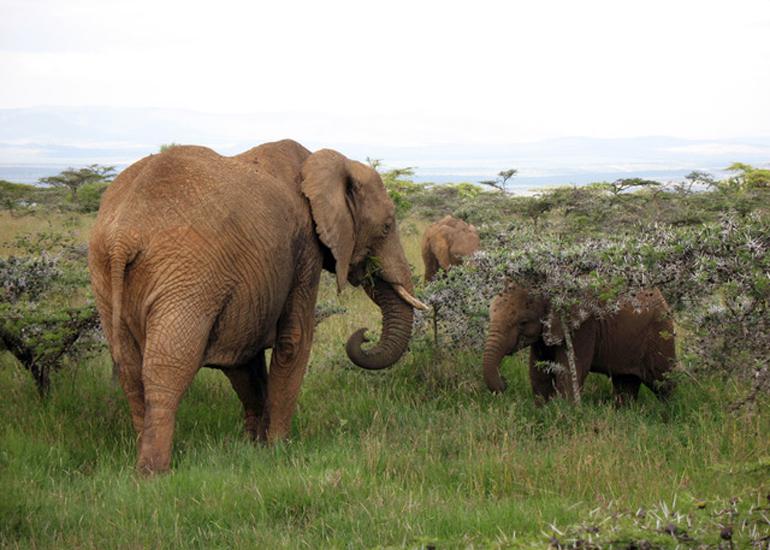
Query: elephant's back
[627,337]
[190,210]
[191,186]
[281,159]
[464,241]
[161,189]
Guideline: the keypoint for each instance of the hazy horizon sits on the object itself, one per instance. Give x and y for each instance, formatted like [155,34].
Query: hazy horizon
[563,91]
[38,142]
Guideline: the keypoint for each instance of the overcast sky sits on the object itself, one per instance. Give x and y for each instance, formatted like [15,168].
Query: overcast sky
[492,71]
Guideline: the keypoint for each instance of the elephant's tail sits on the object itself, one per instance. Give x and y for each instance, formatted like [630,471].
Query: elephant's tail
[121,255]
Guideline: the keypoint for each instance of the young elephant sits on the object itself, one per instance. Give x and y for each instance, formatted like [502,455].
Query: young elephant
[445,243]
[632,346]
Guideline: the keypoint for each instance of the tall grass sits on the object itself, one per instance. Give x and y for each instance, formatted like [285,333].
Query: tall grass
[416,455]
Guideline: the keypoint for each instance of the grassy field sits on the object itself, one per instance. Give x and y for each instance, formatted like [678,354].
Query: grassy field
[414,456]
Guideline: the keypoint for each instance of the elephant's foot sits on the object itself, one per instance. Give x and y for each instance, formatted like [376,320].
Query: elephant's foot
[496,383]
[625,389]
[662,388]
[499,386]
[255,427]
[151,464]
[156,443]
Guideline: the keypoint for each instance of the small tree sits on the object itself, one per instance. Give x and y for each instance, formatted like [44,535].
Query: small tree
[624,184]
[501,182]
[73,178]
[696,177]
[747,177]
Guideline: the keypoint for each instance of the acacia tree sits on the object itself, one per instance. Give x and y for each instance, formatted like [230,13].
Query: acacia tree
[74,178]
[696,177]
[624,184]
[501,182]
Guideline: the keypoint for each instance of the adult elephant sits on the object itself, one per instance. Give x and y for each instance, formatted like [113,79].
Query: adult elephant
[202,260]
[445,243]
[634,345]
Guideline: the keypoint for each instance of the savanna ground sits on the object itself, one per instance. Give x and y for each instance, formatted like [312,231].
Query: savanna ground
[419,455]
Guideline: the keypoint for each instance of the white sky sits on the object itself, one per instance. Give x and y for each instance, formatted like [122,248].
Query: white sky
[517,69]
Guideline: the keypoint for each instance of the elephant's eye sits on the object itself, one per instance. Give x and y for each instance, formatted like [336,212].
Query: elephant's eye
[386,228]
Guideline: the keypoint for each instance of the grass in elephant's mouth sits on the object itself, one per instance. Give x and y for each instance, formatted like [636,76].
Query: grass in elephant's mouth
[417,455]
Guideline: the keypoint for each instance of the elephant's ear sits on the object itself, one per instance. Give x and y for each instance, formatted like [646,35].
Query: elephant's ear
[326,183]
[553,329]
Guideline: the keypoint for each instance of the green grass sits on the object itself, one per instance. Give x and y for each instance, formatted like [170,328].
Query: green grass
[416,455]
[419,454]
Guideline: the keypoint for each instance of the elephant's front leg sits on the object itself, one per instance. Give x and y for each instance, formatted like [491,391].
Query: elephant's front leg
[625,388]
[250,383]
[542,381]
[289,360]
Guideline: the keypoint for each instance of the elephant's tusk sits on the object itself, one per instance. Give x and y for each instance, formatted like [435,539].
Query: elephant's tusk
[409,299]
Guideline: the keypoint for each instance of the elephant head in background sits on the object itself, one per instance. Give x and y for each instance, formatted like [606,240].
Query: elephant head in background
[445,243]
[635,345]
[202,260]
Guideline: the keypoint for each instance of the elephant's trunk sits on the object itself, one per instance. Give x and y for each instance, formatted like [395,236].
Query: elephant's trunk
[397,319]
[494,351]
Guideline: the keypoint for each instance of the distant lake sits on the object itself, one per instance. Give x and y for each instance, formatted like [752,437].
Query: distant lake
[31,173]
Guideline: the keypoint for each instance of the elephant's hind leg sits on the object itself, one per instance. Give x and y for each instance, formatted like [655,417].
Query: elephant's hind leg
[625,388]
[176,342]
[130,375]
[250,383]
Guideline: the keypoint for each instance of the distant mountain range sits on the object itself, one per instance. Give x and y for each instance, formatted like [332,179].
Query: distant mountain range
[39,141]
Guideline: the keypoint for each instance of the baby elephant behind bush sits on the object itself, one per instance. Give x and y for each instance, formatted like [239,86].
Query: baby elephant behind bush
[634,345]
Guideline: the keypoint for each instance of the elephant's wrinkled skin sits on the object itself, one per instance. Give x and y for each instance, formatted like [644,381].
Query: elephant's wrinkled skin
[633,346]
[445,243]
[202,260]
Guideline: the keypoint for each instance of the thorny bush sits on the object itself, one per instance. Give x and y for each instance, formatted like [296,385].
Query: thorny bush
[46,311]
[716,277]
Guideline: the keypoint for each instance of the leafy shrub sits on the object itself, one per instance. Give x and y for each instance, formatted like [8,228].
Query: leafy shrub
[21,199]
[45,310]
[716,276]
[746,177]
[90,195]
